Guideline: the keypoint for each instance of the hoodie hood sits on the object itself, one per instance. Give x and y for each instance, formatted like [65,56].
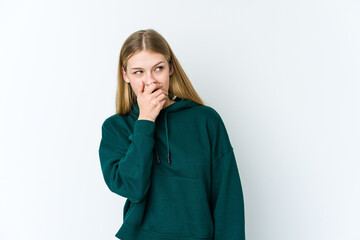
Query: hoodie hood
[178,105]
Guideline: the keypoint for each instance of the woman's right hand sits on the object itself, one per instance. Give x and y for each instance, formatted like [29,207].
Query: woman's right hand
[150,103]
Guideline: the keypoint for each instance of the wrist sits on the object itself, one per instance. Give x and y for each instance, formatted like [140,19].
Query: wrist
[146,118]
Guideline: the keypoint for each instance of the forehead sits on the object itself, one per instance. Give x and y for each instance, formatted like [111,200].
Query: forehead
[145,58]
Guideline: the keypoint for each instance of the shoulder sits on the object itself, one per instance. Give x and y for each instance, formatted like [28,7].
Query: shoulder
[217,132]
[116,124]
[115,131]
[110,121]
[210,118]
[210,114]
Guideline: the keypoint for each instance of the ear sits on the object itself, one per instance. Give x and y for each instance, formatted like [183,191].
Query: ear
[125,77]
[171,69]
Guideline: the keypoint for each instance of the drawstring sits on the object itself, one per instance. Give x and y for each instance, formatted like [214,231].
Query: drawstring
[157,155]
[167,139]
[167,143]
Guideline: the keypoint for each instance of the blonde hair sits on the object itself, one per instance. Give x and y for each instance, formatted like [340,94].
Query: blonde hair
[149,39]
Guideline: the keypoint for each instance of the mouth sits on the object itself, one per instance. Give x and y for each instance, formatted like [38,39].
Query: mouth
[156,89]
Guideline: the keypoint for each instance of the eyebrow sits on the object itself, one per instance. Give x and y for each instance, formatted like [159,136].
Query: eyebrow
[141,68]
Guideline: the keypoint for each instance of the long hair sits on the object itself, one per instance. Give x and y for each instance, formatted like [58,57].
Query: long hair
[150,40]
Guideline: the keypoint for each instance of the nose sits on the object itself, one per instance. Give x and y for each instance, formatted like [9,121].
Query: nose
[149,79]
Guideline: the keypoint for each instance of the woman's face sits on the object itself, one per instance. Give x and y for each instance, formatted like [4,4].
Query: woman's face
[148,67]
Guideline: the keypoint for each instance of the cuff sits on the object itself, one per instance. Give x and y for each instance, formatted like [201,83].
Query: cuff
[144,127]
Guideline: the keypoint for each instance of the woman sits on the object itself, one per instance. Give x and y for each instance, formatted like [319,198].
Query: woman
[167,152]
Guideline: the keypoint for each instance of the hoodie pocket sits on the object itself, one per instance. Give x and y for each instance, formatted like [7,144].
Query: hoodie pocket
[178,206]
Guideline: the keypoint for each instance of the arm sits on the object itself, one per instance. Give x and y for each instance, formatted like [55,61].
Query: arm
[227,199]
[227,202]
[126,161]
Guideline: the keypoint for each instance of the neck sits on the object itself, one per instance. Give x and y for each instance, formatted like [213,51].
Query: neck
[168,102]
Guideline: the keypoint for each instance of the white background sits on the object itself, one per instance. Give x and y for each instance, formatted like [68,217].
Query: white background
[284,76]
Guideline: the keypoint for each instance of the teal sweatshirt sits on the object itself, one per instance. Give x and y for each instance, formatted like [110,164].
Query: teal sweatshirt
[179,174]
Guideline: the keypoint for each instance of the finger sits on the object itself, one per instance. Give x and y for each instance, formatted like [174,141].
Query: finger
[158,92]
[161,97]
[152,87]
[162,102]
[141,87]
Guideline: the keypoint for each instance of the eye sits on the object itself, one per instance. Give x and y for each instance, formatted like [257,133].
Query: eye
[161,67]
[137,71]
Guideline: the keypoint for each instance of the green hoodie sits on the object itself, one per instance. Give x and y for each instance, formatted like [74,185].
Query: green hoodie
[179,174]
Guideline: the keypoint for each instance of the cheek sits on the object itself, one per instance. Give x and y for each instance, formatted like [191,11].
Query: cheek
[134,87]
[165,78]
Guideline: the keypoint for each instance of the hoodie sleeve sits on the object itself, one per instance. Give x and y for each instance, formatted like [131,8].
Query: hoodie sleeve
[227,199]
[126,160]
[227,202]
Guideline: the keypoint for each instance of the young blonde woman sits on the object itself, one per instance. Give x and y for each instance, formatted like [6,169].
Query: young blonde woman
[167,152]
